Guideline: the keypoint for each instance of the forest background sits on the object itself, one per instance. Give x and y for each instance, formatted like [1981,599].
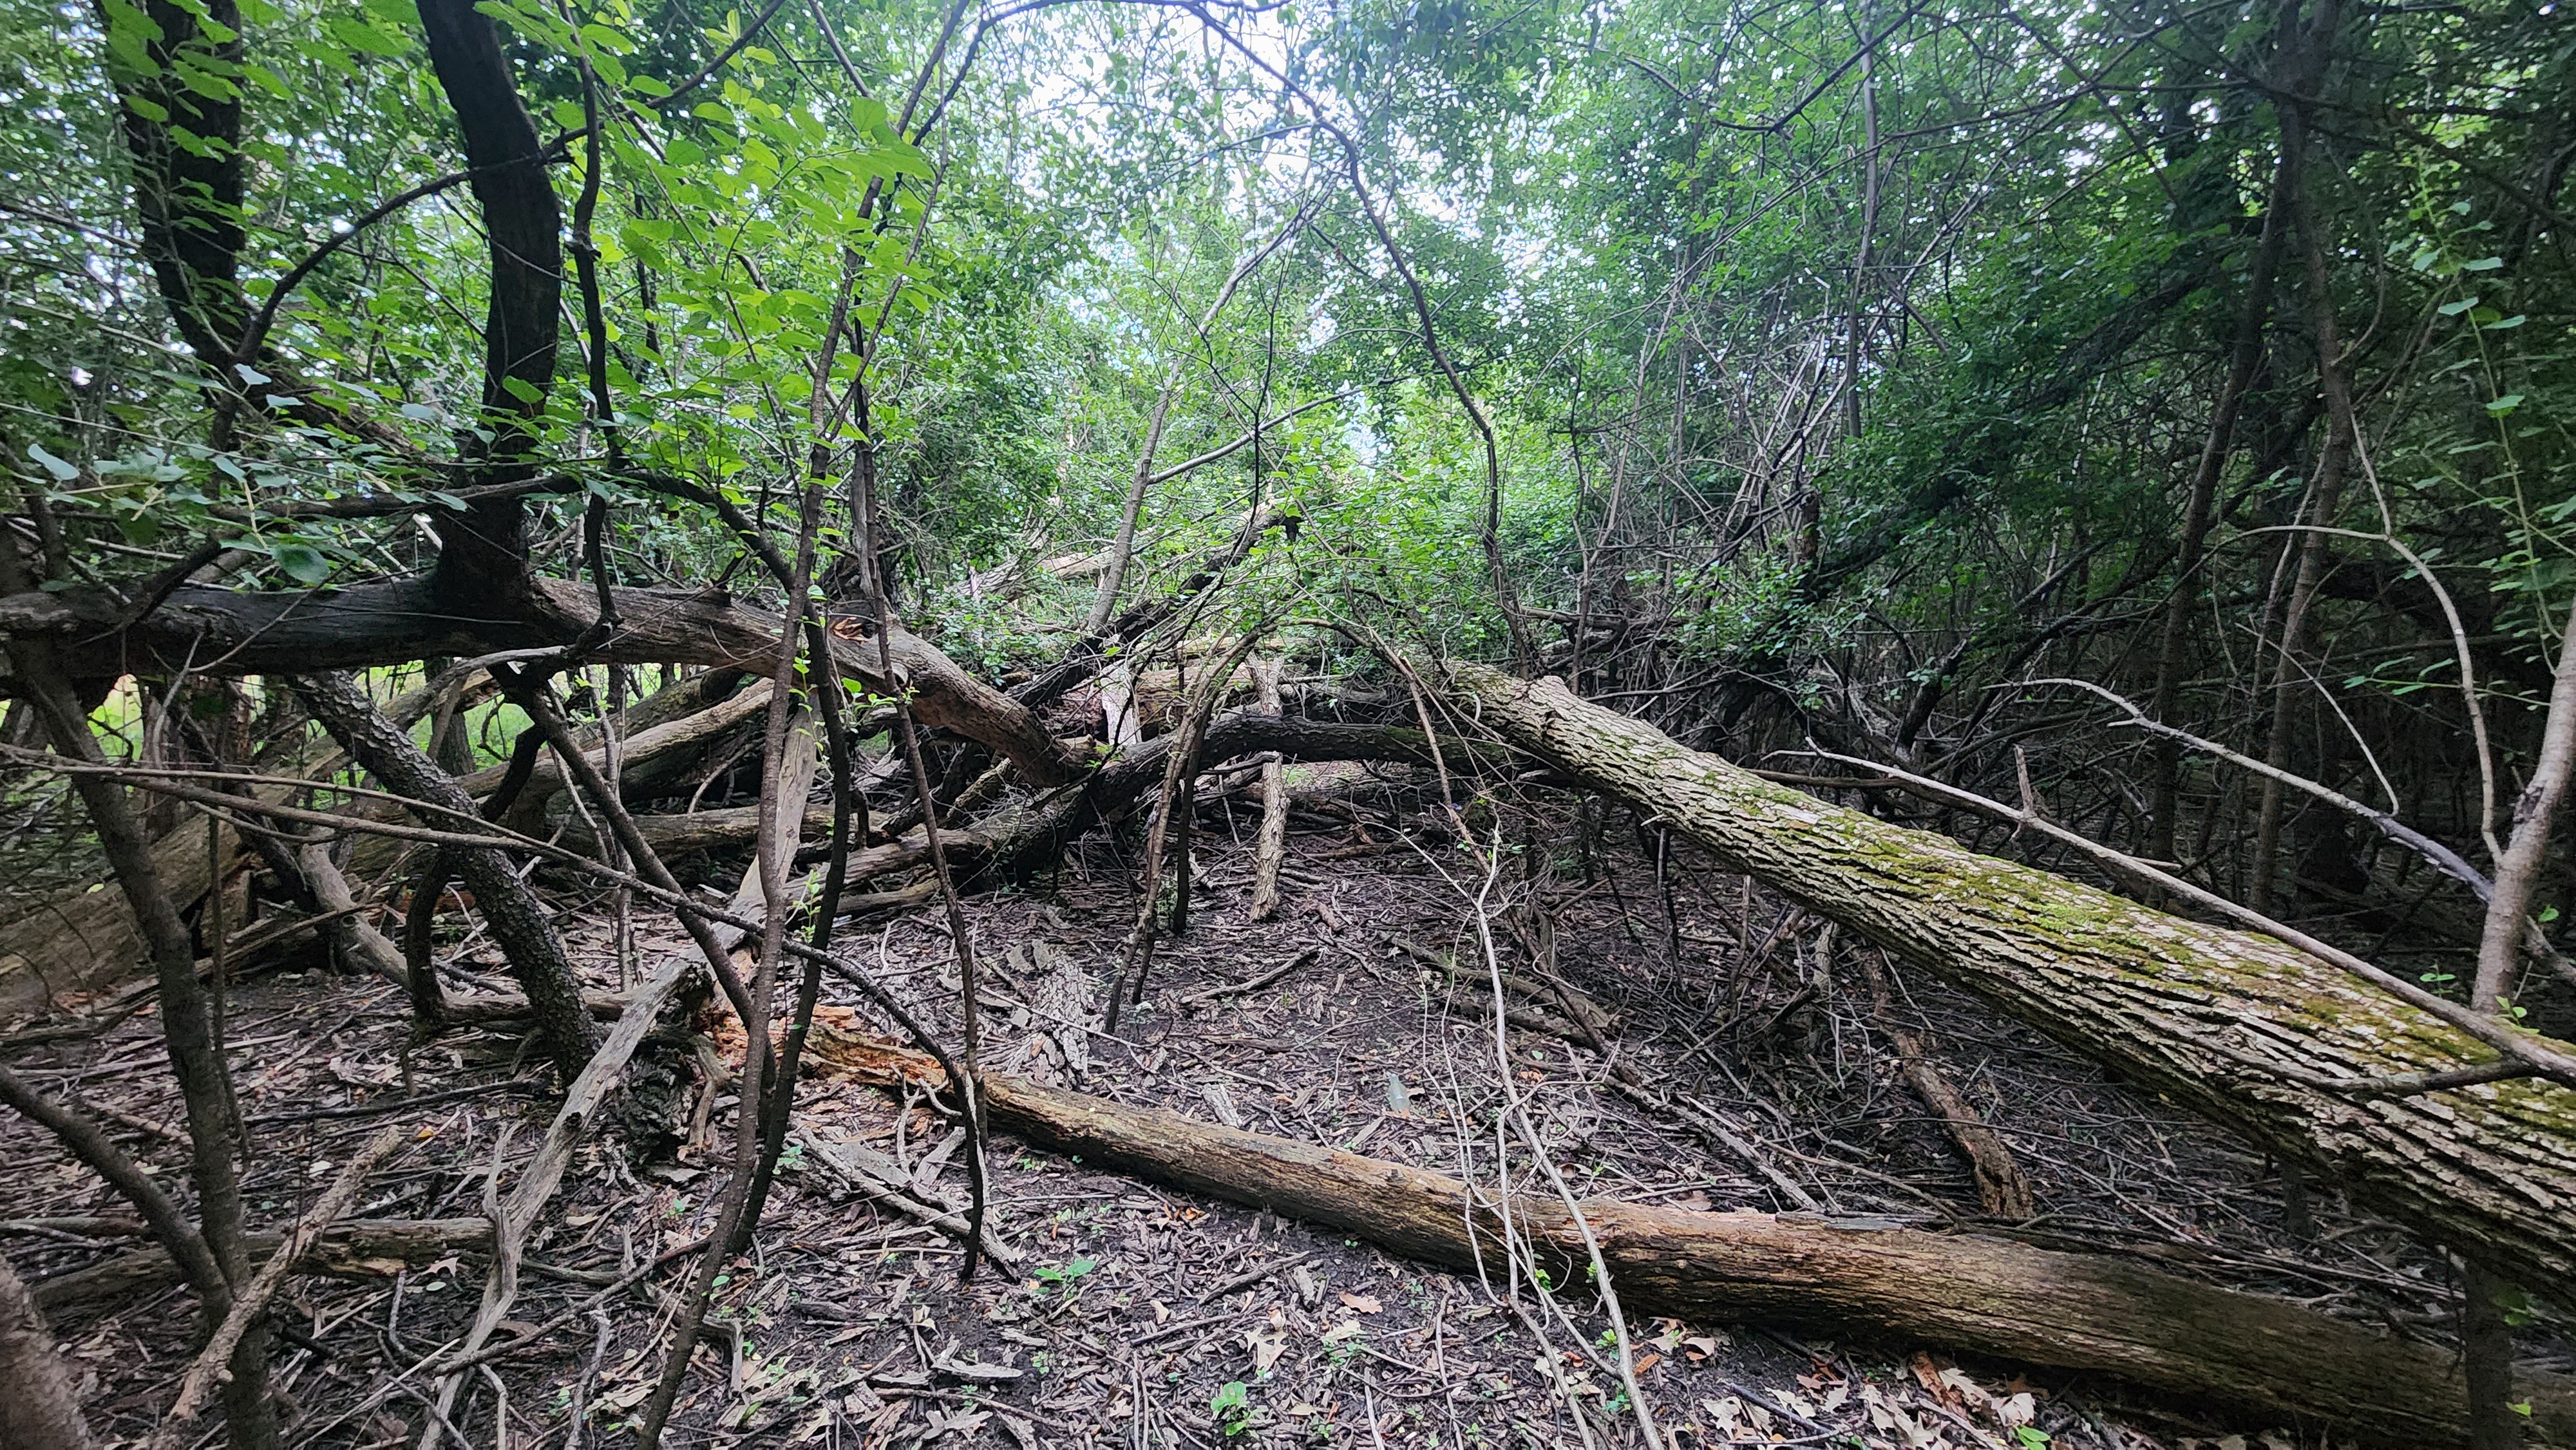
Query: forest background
[2154,415]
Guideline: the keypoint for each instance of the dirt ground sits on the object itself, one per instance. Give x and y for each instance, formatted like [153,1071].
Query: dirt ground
[1139,1316]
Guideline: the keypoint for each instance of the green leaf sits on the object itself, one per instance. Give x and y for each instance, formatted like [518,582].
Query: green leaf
[2454,309]
[2483,264]
[360,36]
[2505,404]
[303,563]
[2507,324]
[523,390]
[63,472]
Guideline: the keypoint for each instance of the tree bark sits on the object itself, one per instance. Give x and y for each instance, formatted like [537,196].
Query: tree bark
[39,1410]
[2188,1010]
[483,551]
[2001,1189]
[520,922]
[1987,1296]
[364,1248]
[248,632]
[191,1022]
[1271,846]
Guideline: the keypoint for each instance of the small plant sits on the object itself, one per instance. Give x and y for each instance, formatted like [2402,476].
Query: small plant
[2030,1437]
[1232,1407]
[1062,1279]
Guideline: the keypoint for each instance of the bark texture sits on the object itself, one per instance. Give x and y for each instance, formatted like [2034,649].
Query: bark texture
[38,1409]
[2190,1010]
[520,922]
[1989,1296]
[403,620]
[363,1249]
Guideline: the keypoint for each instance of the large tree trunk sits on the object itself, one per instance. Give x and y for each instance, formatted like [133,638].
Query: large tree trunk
[2189,1010]
[1988,1296]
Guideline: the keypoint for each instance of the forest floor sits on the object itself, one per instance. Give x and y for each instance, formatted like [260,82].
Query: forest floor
[1135,1307]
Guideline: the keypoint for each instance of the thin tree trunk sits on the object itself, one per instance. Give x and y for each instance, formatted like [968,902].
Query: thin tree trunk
[187,1017]
[520,922]
[2245,363]
[2342,437]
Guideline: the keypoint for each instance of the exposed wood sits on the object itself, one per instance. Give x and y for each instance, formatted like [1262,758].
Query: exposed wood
[687,733]
[1986,1296]
[715,830]
[2001,1189]
[1027,835]
[251,1301]
[1270,846]
[2193,1011]
[513,1218]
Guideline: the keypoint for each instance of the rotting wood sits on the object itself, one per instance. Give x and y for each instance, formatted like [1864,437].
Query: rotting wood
[2001,1189]
[2192,1011]
[1271,844]
[86,939]
[1981,1295]
[357,1249]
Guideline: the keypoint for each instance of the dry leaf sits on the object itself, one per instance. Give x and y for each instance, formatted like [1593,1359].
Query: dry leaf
[1649,1362]
[1362,1303]
[1726,1412]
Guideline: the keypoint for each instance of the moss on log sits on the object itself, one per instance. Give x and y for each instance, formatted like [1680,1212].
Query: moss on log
[2192,1011]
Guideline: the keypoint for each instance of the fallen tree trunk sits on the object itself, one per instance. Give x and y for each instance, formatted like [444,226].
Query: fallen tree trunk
[305,631]
[363,1248]
[2196,1012]
[1987,1296]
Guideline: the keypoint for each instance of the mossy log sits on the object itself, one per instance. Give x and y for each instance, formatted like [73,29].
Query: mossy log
[2192,1011]
[1994,1297]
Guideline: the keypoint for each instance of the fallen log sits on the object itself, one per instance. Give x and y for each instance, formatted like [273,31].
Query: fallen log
[2199,1013]
[1986,1296]
[247,632]
[359,1249]
[86,939]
